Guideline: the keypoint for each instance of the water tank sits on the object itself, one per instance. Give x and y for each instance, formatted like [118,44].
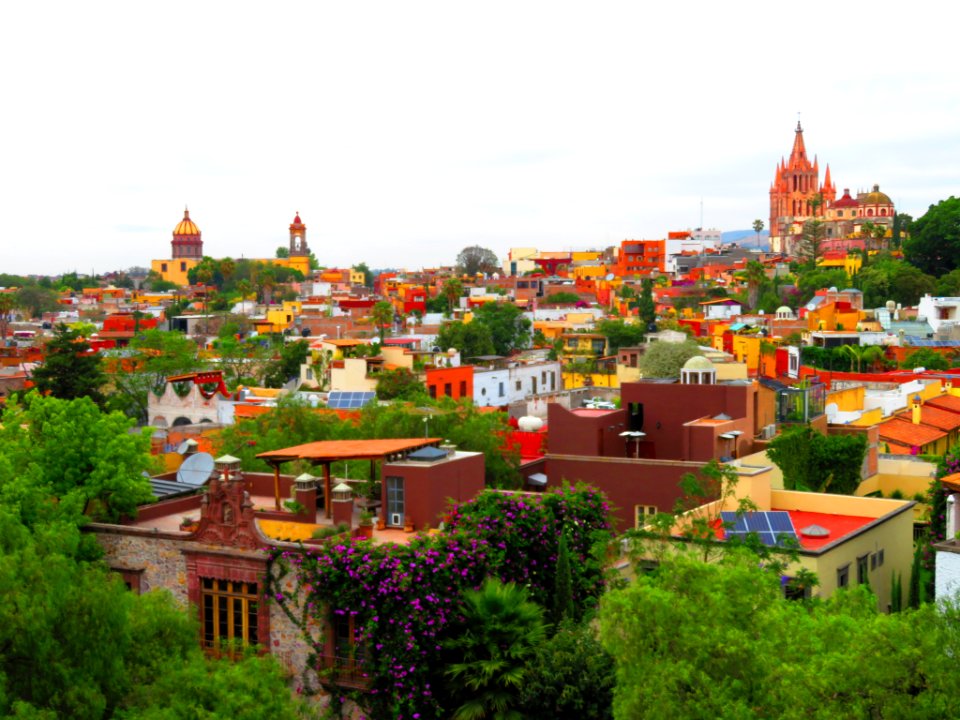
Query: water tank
[529,423]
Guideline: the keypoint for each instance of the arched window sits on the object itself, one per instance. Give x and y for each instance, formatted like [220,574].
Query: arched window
[870,212]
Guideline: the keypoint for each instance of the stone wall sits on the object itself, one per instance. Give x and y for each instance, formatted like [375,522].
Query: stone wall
[160,561]
[158,557]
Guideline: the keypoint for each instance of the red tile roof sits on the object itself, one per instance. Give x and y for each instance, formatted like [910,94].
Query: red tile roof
[946,402]
[904,432]
[936,417]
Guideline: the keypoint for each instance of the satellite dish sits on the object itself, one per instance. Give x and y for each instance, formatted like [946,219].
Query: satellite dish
[610,276]
[196,469]
[186,446]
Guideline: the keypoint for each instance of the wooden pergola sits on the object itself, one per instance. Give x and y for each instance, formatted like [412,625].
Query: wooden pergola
[327,452]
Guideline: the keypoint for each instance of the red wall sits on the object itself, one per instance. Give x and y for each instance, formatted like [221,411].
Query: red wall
[626,482]
[667,407]
[587,434]
[428,487]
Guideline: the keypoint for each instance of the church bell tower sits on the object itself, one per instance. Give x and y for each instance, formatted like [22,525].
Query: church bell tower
[298,238]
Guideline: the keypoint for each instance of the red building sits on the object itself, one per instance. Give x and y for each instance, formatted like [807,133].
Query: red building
[638,453]
[122,327]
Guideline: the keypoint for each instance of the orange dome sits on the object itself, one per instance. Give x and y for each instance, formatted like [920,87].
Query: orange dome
[186,226]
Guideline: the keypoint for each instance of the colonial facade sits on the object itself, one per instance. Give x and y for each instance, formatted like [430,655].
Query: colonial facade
[186,252]
[796,194]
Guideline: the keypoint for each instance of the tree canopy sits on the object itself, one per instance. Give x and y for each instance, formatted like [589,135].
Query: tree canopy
[70,368]
[152,357]
[719,640]
[509,329]
[665,359]
[70,450]
[472,339]
[934,243]
[818,463]
[475,259]
[926,358]
[890,279]
[621,334]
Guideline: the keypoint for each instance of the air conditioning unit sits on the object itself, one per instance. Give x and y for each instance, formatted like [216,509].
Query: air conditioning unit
[396,519]
[769,432]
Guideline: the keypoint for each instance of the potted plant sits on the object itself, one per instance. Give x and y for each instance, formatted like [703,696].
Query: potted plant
[365,529]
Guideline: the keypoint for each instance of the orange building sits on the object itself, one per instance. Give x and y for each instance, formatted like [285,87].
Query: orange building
[452,382]
[641,257]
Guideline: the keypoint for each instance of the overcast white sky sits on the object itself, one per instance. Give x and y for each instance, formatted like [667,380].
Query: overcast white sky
[404,131]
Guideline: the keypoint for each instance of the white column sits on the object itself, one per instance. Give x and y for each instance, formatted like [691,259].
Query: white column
[951,516]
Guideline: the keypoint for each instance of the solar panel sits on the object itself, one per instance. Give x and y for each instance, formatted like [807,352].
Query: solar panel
[780,522]
[772,528]
[349,400]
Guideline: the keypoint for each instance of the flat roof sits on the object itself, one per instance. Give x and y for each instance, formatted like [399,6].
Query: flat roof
[839,526]
[330,450]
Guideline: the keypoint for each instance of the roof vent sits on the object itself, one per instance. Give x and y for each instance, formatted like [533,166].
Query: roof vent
[427,454]
[815,531]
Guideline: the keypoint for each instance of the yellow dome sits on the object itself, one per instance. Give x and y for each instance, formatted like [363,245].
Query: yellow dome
[186,226]
[876,197]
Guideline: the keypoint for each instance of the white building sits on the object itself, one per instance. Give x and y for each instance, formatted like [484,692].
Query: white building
[503,382]
[939,311]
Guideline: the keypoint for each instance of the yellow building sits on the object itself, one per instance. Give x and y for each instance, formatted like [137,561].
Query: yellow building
[829,317]
[186,252]
[174,271]
[848,262]
[844,540]
[278,319]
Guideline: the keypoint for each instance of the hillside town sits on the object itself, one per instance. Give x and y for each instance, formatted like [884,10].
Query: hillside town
[716,474]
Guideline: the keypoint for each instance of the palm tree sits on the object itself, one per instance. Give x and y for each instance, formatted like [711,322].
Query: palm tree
[860,354]
[381,314]
[452,290]
[244,288]
[758,228]
[502,631]
[755,275]
[7,303]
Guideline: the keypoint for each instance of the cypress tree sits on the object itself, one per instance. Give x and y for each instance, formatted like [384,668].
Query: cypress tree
[563,583]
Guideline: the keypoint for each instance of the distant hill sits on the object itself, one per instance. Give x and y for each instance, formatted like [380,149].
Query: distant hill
[741,236]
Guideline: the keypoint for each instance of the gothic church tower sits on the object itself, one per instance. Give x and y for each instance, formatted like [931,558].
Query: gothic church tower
[796,195]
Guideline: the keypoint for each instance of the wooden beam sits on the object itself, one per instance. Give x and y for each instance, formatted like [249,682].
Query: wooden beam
[276,485]
[327,507]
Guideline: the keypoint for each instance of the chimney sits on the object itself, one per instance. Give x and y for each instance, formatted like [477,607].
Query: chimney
[229,468]
[915,407]
[342,497]
[306,494]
